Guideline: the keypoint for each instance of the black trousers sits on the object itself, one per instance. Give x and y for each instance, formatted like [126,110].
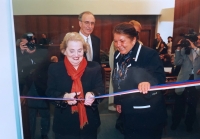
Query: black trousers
[92,135]
[142,131]
[188,98]
[44,122]
[145,134]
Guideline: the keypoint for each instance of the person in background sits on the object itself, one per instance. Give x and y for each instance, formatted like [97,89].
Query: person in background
[32,74]
[75,77]
[169,45]
[44,40]
[34,39]
[157,41]
[168,64]
[144,113]
[162,48]
[87,23]
[187,56]
[54,59]
[111,60]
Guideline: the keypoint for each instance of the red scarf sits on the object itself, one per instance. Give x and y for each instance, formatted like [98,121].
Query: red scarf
[77,87]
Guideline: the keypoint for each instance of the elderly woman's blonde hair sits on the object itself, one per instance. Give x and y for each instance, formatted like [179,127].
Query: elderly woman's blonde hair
[73,36]
[136,23]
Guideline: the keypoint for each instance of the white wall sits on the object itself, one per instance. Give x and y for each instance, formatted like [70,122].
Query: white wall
[165,23]
[98,7]
[10,121]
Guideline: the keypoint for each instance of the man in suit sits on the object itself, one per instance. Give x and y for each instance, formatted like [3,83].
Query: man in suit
[86,23]
[157,41]
[187,55]
[32,73]
[44,40]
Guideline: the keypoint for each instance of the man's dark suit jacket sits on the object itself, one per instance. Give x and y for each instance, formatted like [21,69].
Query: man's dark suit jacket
[32,68]
[96,48]
[59,83]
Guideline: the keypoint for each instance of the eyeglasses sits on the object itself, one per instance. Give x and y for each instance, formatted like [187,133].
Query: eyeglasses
[88,23]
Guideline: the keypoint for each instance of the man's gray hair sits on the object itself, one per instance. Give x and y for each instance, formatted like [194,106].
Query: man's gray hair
[85,12]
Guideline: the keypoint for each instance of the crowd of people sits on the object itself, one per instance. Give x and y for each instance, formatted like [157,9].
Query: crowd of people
[77,79]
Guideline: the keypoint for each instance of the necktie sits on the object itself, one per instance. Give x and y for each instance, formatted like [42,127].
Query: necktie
[89,53]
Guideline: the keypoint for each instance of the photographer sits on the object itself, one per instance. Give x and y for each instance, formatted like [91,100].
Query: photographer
[187,55]
[32,74]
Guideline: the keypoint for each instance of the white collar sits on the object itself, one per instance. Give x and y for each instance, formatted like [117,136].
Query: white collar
[84,37]
[138,51]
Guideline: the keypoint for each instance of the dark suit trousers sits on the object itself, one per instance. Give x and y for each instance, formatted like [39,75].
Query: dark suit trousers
[188,98]
[44,122]
[92,135]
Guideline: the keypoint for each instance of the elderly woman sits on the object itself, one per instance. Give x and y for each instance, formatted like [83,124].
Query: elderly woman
[75,78]
[138,66]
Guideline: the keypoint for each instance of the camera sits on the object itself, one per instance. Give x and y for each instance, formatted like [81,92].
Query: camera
[186,44]
[30,44]
[191,35]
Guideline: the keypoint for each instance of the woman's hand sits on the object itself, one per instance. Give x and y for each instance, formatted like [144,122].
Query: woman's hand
[71,96]
[89,98]
[118,108]
[144,87]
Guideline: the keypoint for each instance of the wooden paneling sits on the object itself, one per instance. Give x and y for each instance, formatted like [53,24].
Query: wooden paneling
[20,26]
[186,16]
[31,23]
[73,24]
[56,26]
[42,22]
[53,29]
[64,27]
[106,33]
[145,37]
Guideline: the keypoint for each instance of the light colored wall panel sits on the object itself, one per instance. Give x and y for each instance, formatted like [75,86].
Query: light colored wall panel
[98,7]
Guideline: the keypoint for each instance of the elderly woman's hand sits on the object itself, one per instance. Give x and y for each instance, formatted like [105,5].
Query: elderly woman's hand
[71,96]
[89,98]
[144,87]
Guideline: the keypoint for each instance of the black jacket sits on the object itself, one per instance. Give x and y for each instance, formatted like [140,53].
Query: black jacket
[32,70]
[147,68]
[96,48]
[59,82]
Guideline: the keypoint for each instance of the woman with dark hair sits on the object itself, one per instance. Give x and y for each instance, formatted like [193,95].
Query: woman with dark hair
[169,45]
[162,48]
[144,113]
